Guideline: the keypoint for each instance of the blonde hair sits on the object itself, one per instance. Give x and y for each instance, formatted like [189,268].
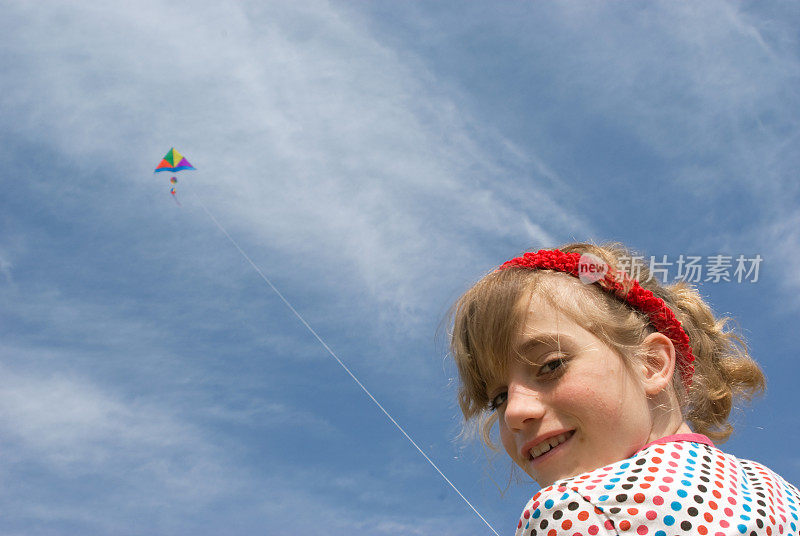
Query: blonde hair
[489,315]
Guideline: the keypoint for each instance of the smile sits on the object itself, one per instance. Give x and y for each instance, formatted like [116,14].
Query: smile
[548,445]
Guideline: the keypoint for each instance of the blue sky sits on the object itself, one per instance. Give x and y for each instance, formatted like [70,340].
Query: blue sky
[373,159]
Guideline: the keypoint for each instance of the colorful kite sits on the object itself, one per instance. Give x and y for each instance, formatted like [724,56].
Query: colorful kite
[173,161]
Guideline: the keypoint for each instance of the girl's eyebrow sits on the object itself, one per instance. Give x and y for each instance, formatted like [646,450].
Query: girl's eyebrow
[552,340]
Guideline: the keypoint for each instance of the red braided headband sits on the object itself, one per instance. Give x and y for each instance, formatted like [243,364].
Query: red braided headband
[621,285]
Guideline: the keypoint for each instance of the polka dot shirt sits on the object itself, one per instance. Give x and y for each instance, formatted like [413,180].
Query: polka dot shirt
[679,485]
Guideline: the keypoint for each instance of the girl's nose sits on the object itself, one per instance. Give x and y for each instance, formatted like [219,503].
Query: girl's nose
[522,406]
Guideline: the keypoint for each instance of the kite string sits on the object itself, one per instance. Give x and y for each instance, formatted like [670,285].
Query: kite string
[333,354]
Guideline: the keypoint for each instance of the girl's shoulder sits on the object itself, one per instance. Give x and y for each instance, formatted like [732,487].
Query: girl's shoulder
[679,486]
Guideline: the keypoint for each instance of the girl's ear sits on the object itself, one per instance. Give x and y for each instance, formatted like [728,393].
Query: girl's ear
[658,364]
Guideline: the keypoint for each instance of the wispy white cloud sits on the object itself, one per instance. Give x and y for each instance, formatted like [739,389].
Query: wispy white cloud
[142,455]
[67,425]
[309,134]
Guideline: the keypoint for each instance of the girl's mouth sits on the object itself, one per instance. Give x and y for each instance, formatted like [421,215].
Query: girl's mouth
[545,451]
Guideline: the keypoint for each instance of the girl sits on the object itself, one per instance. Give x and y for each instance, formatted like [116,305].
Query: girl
[609,392]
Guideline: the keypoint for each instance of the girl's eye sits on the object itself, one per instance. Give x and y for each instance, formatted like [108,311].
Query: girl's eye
[553,365]
[498,401]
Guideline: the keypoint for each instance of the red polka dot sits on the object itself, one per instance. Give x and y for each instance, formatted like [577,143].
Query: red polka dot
[583,515]
[676,455]
[566,525]
[624,524]
[724,524]
[644,486]
[633,511]
[660,450]
[656,459]
[649,478]
[668,479]
[664,488]
[594,529]
[728,512]
[639,497]
[769,531]
[708,517]
[658,500]
[552,532]
[717,494]
[608,524]
[712,505]
[702,530]
[731,500]
[519,524]
[642,529]
[652,469]
[651,515]
[526,514]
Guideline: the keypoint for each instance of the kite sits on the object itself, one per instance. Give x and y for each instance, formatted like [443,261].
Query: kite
[174,162]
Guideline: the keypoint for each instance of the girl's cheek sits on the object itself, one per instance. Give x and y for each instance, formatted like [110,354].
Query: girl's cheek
[508,442]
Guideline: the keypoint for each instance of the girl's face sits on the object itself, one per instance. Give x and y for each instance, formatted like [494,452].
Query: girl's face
[574,407]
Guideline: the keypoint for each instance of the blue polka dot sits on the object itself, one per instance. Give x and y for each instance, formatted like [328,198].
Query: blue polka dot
[660,533]
[536,513]
[692,461]
[675,505]
[669,520]
[609,486]
[746,518]
[624,465]
[548,503]
[614,480]
[528,524]
[742,529]
[686,483]
[602,498]
[564,496]
[682,493]
[692,453]
[746,508]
